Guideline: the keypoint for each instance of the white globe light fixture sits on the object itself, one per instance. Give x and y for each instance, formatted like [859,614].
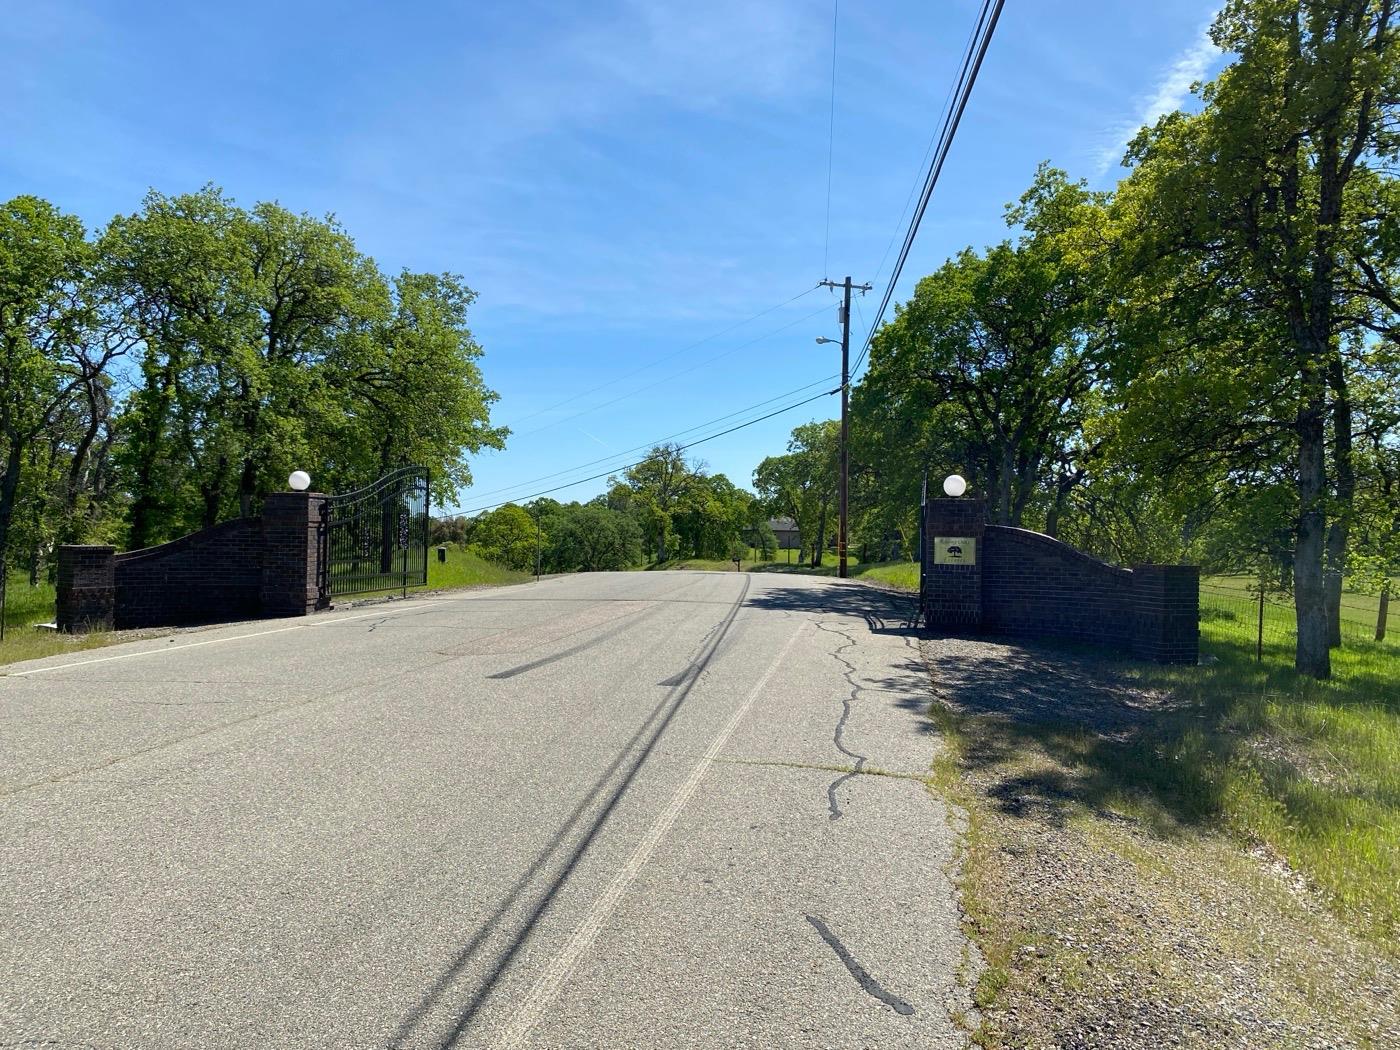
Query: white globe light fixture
[300,480]
[954,485]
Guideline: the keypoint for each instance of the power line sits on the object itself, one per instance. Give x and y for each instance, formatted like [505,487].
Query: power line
[681,448]
[674,375]
[861,313]
[987,23]
[830,141]
[657,441]
[662,360]
[928,150]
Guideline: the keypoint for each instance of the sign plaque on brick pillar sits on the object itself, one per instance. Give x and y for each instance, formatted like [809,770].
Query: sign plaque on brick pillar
[291,548]
[952,579]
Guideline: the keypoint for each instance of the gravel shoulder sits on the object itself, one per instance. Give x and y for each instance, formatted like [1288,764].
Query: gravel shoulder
[1104,921]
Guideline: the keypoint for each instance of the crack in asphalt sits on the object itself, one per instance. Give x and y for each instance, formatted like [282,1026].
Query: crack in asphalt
[868,771]
[859,972]
[838,737]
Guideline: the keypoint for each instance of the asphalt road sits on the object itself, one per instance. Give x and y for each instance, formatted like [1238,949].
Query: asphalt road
[605,810]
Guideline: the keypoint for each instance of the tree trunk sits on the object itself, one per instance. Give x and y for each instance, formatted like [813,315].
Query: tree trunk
[1311,655]
[78,467]
[149,440]
[248,476]
[1002,511]
[821,539]
[1338,533]
[9,485]
[1382,611]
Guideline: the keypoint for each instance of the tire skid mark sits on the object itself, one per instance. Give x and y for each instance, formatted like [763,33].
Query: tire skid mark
[601,801]
[629,620]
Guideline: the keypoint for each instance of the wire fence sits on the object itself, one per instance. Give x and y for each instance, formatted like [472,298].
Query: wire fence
[1267,622]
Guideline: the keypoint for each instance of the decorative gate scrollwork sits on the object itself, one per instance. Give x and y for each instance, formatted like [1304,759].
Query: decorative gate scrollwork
[376,538]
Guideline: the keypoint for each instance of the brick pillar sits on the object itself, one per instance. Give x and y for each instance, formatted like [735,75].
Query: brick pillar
[952,592]
[1166,613]
[291,524]
[87,587]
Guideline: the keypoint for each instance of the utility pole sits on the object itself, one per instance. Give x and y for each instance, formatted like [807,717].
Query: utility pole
[844,489]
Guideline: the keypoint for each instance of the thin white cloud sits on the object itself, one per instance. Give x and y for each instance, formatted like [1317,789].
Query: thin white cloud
[1168,95]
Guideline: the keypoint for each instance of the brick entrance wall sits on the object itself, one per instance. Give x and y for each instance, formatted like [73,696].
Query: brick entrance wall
[1025,583]
[238,570]
[207,577]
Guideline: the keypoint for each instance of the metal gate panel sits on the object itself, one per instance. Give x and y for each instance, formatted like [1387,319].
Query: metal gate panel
[376,538]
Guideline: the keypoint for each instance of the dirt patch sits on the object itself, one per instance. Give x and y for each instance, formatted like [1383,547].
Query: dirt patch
[1114,921]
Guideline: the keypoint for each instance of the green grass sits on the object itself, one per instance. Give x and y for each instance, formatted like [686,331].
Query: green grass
[753,560]
[1309,770]
[1358,610]
[901,574]
[466,568]
[1232,612]
[26,606]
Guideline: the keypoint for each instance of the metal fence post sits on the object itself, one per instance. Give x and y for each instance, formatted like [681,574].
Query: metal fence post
[1259,643]
[1381,612]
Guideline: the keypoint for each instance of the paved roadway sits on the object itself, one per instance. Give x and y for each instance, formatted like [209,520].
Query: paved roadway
[608,810]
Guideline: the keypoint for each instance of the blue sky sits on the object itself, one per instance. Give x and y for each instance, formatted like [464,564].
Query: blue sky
[618,181]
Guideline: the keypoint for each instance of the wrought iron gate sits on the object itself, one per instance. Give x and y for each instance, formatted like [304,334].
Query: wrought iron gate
[376,538]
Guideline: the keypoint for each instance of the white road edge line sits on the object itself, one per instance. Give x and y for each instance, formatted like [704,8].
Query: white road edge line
[211,641]
[546,988]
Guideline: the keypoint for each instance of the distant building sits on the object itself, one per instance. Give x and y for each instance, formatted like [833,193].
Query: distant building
[789,538]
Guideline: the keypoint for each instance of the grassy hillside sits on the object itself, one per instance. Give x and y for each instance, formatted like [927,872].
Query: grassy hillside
[466,568]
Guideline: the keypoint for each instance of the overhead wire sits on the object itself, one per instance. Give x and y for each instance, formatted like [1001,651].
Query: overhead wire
[976,50]
[656,441]
[986,23]
[681,448]
[674,375]
[830,142]
[662,360]
[920,178]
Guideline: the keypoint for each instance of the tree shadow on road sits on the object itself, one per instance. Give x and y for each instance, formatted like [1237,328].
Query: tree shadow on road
[884,611]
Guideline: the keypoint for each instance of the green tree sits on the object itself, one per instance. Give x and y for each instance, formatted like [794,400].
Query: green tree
[600,539]
[408,388]
[508,536]
[659,483]
[1268,219]
[269,342]
[1003,352]
[56,348]
[803,483]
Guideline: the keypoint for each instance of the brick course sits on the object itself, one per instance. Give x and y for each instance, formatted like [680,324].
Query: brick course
[86,588]
[291,531]
[211,576]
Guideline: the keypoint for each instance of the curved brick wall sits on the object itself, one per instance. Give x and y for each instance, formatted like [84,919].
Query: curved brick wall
[1032,584]
[1025,583]
[206,577]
